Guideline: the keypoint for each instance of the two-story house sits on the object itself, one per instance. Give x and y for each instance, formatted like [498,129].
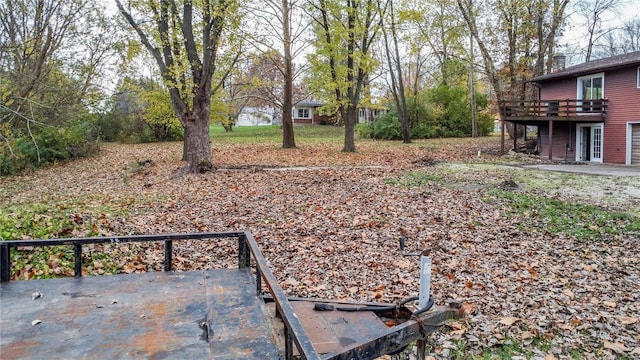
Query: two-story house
[588,112]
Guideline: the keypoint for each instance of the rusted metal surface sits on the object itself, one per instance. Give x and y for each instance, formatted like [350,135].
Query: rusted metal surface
[247,247]
[397,337]
[213,314]
[331,331]
[365,334]
[236,318]
[294,331]
[196,315]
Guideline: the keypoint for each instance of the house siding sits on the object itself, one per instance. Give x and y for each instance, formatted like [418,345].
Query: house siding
[559,89]
[624,105]
[303,120]
[620,88]
[563,134]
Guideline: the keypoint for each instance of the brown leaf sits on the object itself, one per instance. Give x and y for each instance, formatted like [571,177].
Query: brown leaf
[291,282]
[451,276]
[456,325]
[616,347]
[610,304]
[467,308]
[627,320]
[320,287]
[509,320]
[569,293]
[402,264]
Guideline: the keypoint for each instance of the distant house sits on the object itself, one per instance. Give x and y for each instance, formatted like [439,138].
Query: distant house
[306,112]
[368,114]
[588,112]
[253,116]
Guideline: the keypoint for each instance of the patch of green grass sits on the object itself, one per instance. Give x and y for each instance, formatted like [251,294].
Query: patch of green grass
[576,354]
[46,221]
[508,349]
[273,134]
[459,352]
[414,179]
[42,262]
[37,221]
[586,222]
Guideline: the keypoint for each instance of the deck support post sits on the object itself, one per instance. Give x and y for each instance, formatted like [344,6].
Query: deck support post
[550,140]
[502,137]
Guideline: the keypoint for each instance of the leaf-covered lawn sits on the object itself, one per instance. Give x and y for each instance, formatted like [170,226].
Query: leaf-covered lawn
[551,272]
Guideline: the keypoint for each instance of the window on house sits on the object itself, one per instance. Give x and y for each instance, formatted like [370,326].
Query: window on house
[591,90]
[303,113]
[362,115]
[638,78]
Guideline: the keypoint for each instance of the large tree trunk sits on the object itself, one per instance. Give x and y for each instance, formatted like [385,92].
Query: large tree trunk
[197,145]
[349,129]
[288,140]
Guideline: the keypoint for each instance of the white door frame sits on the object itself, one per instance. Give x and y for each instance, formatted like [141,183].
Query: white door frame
[595,141]
[630,124]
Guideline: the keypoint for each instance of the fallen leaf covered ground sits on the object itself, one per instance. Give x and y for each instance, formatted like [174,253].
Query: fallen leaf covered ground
[329,224]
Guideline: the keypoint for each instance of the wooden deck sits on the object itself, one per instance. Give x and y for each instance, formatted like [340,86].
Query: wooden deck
[531,112]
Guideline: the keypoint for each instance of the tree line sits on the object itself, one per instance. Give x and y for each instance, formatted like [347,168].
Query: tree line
[437,67]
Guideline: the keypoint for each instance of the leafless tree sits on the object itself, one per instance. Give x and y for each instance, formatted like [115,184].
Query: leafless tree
[593,11]
[284,25]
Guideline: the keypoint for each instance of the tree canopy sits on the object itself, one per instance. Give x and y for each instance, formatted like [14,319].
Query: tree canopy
[185,39]
[216,57]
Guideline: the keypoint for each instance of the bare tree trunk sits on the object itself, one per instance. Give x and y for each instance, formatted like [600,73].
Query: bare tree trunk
[472,85]
[197,146]
[288,140]
[397,78]
[185,142]
[349,129]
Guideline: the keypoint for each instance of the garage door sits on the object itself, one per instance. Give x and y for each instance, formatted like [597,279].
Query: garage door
[635,144]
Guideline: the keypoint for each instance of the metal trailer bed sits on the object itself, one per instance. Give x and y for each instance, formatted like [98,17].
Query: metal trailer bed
[205,314]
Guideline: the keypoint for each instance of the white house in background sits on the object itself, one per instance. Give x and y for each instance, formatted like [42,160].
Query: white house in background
[254,116]
[368,114]
[306,112]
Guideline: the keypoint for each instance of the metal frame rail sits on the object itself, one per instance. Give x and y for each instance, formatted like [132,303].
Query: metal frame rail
[247,246]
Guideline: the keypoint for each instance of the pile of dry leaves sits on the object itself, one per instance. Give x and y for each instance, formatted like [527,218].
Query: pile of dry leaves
[329,225]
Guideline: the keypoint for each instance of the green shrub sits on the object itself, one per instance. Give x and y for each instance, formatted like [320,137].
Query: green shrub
[424,130]
[48,145]
[385,127]
[485,123]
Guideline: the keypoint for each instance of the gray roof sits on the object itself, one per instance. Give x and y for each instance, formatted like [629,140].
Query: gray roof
[309,103]
[610,63]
